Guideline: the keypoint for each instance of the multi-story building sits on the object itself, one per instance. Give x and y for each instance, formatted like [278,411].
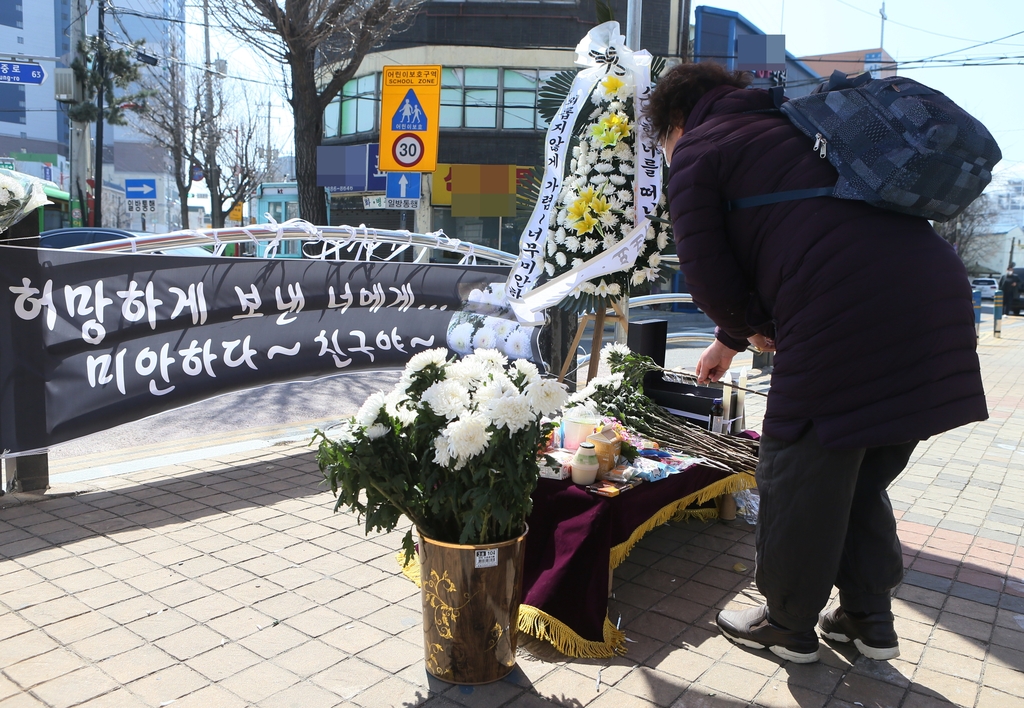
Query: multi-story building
[34,126]
[495,58]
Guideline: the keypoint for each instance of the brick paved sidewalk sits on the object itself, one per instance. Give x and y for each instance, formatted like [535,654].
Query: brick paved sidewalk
[227,581]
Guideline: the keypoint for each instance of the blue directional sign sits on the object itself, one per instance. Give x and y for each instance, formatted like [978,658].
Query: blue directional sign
[410,115]
[403,185]
[140,188]
[20,73]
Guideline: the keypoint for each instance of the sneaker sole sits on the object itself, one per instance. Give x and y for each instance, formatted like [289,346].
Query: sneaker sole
[780,651]
[876,653]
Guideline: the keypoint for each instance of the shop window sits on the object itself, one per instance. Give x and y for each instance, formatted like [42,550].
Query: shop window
[331,116]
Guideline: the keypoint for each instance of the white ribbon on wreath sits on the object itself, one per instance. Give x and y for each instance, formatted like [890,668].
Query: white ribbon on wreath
[603,51]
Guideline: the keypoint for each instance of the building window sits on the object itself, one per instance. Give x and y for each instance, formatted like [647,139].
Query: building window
[358,105]
[481,91]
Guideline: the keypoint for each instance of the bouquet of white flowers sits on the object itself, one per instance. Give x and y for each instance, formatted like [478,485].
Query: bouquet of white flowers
[453,447]
[19,194]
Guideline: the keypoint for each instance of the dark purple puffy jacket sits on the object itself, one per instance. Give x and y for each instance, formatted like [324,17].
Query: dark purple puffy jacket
[870,310]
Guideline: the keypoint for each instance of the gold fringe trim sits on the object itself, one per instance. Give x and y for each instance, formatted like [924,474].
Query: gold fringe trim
[695,515]
[541,625]
[730,485]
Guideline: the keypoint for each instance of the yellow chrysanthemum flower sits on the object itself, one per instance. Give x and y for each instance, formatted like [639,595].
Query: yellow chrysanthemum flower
[600,206]
[577,210]
[585,225]
[611,84]
[587,194]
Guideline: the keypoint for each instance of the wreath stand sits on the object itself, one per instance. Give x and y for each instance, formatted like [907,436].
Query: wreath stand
[599,318]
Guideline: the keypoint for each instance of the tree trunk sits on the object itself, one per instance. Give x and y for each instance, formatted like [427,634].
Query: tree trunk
[309,121]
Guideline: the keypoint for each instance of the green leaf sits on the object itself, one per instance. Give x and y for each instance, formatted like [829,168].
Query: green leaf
[605,13]
[552,93]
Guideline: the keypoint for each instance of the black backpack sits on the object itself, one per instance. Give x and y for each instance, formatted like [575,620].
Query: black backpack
[896,144]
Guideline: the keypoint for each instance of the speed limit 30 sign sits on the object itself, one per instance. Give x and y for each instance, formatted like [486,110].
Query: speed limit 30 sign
[410,109]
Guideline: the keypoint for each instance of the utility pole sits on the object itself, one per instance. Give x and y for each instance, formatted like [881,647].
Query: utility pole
[881,41]
[212,176]
[270,168]
[81,134]
[684,33]
[634,11]
[101,68]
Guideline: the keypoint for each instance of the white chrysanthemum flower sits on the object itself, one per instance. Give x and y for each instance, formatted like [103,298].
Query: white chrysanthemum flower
[485,338]
[377,430]
[652,274]
[344,432]
[625,196]
[397,406]
[623,152]
[441,454]
[560,258]
[588,287]
[637,277]
[614,349]
[614,204]
[560,236]
[604,167]
[420,361]
[617,180]
[614,289]
[630,214]
[471,371]
[662,241]
[517,346]
[589,244]
[572,243]
[655,260]
[627,168]
[609,218]
[502,327]
[447,398]
[370,409]
[512,412]
[610,240]
[460,338]
[546,396]
[598,179]
[552,248]
[549,268]
[576,151]
[577,262]
[528,369]
[468,436]
[490,357]
[607,154]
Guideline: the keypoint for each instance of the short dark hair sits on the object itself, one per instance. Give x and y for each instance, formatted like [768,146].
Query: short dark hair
[679,89]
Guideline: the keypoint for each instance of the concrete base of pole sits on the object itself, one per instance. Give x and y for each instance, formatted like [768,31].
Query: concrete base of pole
[31,471]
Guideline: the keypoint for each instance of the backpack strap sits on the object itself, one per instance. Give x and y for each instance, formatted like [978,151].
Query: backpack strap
[776,197]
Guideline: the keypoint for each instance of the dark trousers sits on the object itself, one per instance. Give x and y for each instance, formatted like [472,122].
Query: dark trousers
[825,519]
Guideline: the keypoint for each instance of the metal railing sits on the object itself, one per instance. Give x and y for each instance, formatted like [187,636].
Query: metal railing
[350,243]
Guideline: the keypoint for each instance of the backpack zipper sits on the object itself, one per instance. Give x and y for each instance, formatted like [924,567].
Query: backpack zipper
[820,141]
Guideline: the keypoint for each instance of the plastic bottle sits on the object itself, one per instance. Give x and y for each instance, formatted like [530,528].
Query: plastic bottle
[716,424]
[585,464]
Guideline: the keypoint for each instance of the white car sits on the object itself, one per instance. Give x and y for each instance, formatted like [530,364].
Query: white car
[987,286]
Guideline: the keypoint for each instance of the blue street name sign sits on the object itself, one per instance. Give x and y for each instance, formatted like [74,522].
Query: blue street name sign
[376,181]
[140,188]
[19,73]
[403,185]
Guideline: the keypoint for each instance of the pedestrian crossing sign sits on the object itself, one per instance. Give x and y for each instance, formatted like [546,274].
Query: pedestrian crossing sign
[410,109]
[410,114]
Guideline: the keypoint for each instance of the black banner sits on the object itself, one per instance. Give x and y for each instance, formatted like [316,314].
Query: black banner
[92,340]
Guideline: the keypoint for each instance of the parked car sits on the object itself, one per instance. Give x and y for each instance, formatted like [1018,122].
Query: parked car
[987,286]
[80,236]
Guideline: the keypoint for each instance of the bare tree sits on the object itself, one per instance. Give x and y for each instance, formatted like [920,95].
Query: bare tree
[173,122]
[322,42]
[971,235]
[178,123]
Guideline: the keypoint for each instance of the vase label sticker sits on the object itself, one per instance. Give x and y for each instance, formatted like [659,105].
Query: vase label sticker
[487,558]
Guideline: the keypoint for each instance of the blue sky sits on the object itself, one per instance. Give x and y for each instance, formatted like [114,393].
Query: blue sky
[916,30]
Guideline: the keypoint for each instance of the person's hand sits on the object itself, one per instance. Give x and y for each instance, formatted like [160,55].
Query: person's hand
[762,343]
[714,362]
